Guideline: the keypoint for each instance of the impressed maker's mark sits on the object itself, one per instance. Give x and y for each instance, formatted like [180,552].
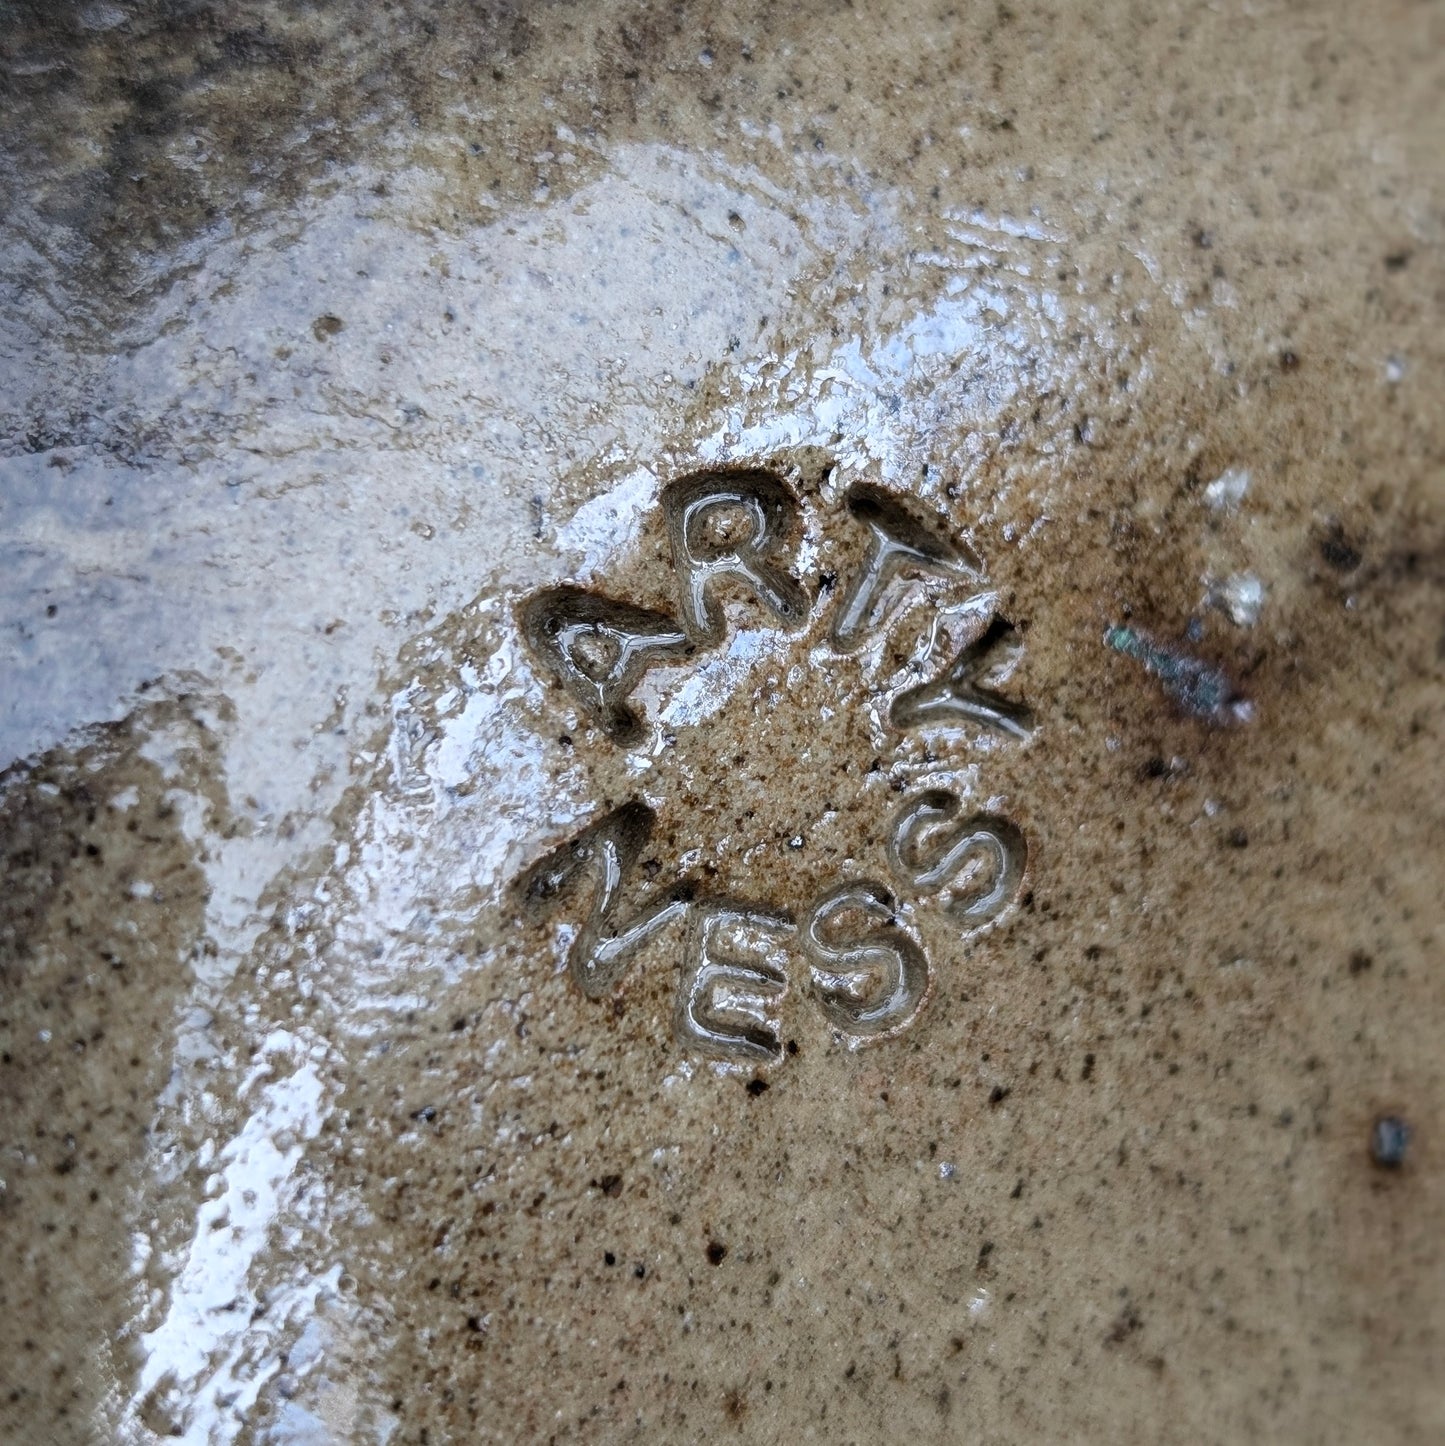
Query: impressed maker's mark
[851,949]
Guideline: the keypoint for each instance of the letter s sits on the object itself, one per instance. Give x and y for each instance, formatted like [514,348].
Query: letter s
[869,976]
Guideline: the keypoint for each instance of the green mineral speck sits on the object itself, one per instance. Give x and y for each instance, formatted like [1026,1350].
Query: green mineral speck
[1199,688]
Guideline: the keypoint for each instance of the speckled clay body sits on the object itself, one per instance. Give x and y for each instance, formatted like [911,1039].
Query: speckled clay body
[721,724]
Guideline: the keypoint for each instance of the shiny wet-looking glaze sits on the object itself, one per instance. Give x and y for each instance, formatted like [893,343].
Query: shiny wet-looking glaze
[310,1131]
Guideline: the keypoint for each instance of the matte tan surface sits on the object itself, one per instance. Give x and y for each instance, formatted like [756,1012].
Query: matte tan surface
[327,340]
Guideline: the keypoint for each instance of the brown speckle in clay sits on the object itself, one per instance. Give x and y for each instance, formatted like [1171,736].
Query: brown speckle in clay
[721,723]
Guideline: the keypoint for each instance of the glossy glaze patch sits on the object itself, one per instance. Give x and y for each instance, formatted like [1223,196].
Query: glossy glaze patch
[909,642]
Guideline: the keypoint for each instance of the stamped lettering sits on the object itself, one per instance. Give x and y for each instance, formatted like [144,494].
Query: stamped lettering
[733,526]
[607,851]
[853,952]
[732,979]
[598,650]
[978,861]
[869,975]
[899,540]
[959,697]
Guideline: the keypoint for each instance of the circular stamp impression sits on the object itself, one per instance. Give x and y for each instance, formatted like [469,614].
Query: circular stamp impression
[755,715]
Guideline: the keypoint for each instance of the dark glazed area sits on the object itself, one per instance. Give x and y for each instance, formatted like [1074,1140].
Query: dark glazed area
[721,723]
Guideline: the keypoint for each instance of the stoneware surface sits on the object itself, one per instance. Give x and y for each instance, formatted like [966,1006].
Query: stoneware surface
[721,723]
